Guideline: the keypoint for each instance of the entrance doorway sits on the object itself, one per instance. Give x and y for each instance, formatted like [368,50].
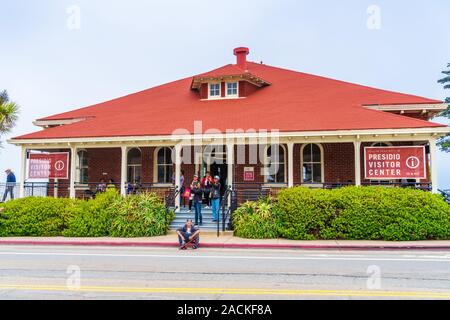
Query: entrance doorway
[220,170]
[214,161]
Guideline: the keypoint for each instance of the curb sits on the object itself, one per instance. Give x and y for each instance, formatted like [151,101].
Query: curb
[222,245]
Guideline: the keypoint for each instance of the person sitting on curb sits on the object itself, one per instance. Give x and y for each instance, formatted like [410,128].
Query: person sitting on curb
[188,235]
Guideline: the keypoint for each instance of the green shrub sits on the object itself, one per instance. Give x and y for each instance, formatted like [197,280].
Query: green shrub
[93,218]
[305,213]
[256,220]
[37,217]
[143,215]
[396,214]
[352,213]
[107,215]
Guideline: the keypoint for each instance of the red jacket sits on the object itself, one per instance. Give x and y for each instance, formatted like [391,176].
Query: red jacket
[209,184]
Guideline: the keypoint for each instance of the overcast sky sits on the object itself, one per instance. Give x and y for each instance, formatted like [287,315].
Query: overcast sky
[51,61]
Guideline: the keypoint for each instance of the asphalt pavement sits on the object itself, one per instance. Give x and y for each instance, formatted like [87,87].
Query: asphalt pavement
[68,272]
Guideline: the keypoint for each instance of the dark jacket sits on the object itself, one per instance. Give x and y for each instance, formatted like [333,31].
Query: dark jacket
[198,193]
[184,229]
[215,191]
[11,178]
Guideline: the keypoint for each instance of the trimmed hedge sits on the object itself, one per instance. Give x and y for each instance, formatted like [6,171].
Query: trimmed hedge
[353,213]
[35,217]
[93,218]
[108,215]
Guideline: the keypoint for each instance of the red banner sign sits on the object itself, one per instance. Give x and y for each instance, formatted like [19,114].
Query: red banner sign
[48,165]
[394,163]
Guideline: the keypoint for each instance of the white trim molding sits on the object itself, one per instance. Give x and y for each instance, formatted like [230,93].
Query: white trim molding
[366,135]
[404,108]
[55,123]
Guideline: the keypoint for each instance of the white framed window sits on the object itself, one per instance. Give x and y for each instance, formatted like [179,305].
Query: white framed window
[312,163]
[214,90]
[82,169]
[275,164]
[134,166]
[232,89]
[163,166]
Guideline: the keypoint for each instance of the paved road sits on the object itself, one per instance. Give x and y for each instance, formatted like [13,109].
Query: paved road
[47,272]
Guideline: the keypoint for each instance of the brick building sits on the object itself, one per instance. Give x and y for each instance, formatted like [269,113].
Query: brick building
[252,124]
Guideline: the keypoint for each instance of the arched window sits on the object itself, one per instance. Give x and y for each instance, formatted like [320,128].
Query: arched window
[312,163]
[82,167]
[134,166]
[276,164]
[382,144]
[164,165]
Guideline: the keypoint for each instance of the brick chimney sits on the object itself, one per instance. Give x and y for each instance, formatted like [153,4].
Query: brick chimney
[241,57]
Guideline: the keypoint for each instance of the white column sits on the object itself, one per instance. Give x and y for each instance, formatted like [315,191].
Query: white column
[230,164]
[433,165]
[73,167]
[178,149]
[290,152]
[23,172]
[55,188]
[357,145]
[123,170]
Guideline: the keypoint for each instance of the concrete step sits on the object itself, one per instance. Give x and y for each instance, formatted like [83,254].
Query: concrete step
[207,224]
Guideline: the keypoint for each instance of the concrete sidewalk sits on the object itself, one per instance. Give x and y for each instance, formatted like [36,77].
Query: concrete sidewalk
[227,240]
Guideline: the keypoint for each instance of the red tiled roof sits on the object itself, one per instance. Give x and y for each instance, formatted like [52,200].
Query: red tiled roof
[293,102]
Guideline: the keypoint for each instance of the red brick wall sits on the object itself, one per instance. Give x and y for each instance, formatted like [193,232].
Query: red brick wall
[147,164]
[339,162]
[239,168]
[104,161]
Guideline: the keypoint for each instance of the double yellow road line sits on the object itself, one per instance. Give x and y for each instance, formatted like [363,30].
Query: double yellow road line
[233,291]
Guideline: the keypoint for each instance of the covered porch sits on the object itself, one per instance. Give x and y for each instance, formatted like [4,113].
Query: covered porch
[248,163]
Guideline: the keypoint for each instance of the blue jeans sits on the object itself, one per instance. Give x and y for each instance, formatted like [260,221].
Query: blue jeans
[215,208]
[198,212]
[10,190]
[185,238]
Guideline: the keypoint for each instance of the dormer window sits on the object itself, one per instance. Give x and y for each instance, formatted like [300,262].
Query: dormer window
[232,89]
[214,90]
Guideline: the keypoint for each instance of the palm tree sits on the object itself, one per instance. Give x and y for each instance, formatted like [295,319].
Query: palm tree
[9,112]
[444,142]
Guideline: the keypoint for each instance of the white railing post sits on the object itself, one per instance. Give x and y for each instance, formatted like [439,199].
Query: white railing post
[433,165]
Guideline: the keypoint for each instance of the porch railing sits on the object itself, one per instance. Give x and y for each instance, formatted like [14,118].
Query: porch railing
[225,209]
[446,195]
[242,192]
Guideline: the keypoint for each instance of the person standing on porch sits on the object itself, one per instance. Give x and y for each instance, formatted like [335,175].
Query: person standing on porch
[196,190]
[10,183]
[215,198]
[207,184]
